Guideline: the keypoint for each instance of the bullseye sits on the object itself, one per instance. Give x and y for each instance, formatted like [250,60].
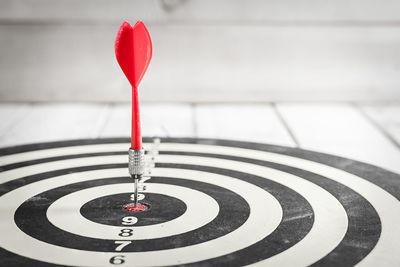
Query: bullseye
[136,207]
[206,202]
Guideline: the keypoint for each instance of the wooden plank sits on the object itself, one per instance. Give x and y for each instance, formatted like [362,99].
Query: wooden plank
[342,130]
[53,122]
[233,11]
[11,114]
[157,120]
[256,123]
[231,63]
[386,116]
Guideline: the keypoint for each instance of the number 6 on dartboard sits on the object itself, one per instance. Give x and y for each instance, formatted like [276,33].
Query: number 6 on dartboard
[117,260]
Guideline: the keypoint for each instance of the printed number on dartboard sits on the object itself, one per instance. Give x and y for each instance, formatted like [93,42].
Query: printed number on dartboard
[129,220]
[121,244]
[140,197]
[126,232]
[117,260]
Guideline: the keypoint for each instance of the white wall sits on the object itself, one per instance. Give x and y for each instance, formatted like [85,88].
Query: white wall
[203,51]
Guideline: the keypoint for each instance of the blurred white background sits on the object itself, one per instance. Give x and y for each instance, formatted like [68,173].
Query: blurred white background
[320,75]
[204,51]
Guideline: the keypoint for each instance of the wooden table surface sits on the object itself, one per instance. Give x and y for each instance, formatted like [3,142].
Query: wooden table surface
[368,133]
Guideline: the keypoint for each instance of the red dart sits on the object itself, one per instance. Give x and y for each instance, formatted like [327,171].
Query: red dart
[133,51]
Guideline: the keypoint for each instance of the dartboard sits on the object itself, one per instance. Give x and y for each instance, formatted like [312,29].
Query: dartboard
[205,203]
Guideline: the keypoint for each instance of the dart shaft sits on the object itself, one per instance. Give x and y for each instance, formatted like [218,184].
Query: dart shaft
[136,139]
[136,191]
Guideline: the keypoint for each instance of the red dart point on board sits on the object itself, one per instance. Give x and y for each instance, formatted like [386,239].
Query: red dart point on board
[133,51]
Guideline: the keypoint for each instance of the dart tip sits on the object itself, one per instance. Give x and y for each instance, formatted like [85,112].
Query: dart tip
[136,191]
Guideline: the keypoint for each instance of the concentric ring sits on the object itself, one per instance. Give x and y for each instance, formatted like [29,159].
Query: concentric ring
[154,231]
[64,213]
[357,230]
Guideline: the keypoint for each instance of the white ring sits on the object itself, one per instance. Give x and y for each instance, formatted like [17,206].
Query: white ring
[259,223]
[64,212]
[330,218]
[202,251]
[386,205]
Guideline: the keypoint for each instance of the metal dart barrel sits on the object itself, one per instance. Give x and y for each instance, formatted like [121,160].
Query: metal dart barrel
[136,165]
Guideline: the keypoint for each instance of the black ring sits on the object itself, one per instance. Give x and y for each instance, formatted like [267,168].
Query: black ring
[292,203]
[31,218]
[349,199]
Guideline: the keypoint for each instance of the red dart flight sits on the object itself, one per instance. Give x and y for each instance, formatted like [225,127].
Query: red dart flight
[133,51]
